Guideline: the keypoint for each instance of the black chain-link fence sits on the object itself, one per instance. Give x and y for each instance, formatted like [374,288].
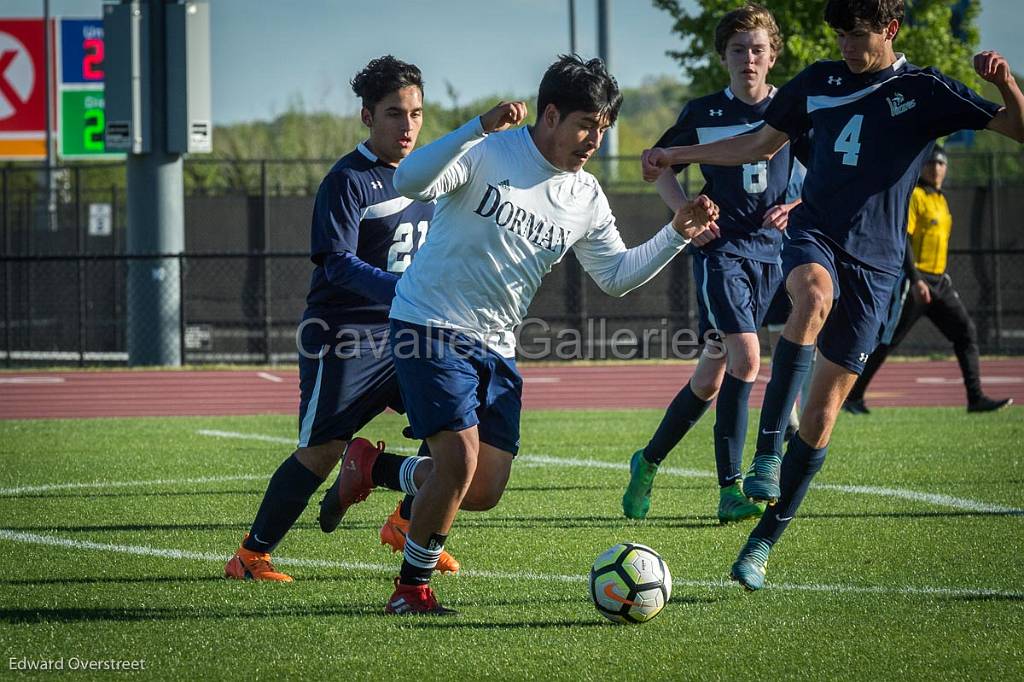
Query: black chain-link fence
[238,291]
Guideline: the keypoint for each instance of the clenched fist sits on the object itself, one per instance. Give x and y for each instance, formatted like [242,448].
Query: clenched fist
[695,220]
[503,116]
[993,67]
[653,163]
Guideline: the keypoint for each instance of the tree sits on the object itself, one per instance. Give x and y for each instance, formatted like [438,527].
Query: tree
[927,38]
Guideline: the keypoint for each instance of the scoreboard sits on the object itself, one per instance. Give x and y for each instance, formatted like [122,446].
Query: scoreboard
[80,101]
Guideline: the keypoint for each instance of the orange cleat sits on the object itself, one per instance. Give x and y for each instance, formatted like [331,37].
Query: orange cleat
[415,600]
[354,483]
[393,532]
[249,565]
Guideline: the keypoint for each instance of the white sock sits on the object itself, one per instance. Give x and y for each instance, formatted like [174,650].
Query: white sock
[407,475]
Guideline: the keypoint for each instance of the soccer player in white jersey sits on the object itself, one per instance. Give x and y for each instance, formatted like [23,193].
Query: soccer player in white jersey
[510,204]
[873,118]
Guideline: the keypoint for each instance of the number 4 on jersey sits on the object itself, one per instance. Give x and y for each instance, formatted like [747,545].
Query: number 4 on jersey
[848,142]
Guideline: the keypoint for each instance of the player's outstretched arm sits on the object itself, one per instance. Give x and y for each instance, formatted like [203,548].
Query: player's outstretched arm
[1009,121]
[440,167]
[618,270]
[732,151]
[670,191]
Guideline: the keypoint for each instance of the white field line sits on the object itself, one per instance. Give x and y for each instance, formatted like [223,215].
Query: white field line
[939,500]
[22,489]
[269,377]
[141,550]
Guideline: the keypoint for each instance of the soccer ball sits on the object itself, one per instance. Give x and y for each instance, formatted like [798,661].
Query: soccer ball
[630,583]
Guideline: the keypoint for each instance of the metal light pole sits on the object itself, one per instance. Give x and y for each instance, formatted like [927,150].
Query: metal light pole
[572,26]
[51,198]
[156,223]
[610,147]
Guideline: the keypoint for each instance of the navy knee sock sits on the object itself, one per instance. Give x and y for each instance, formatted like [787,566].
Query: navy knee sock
[798,468]
[287,495]
[731,428]
[683,412]
[790,365]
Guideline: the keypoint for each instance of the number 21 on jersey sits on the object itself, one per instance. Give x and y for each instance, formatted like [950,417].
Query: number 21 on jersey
[400,254]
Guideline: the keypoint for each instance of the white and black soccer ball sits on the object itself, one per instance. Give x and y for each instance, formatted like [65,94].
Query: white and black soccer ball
[630,583]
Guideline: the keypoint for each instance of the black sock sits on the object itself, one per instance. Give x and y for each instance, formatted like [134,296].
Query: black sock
[790,364]
[798,468]
[386,468]
[731,428]
[419,562]
[287,495]
[405,510]
[683,412]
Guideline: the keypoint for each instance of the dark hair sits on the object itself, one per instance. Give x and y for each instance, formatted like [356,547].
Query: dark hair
[382,76]
[572,84]
[750,17]
[844,14]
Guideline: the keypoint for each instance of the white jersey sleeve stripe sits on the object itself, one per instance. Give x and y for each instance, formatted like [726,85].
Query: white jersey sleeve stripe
[386,208]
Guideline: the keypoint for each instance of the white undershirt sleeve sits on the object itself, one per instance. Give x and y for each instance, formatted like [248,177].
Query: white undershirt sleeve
[441,167]
[616,269]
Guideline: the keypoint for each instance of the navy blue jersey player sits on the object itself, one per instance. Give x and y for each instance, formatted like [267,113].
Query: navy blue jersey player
[363,236]
[874,118]
[736,274]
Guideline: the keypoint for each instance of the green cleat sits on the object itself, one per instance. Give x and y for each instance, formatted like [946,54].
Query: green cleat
[733,505]
[750,565]
[761,483]
[637,500]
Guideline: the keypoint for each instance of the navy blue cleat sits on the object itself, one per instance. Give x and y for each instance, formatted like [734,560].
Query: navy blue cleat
[761,483]
[749,568]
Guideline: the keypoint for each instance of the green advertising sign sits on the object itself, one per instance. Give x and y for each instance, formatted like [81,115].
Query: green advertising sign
[81,124]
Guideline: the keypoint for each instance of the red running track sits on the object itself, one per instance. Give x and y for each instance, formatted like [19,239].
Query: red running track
[127,393]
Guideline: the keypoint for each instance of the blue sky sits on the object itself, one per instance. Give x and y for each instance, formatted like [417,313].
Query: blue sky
[268,53]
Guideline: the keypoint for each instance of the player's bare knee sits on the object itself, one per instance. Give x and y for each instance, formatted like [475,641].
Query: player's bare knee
[816,425]
[455,472]
[815,301]
[706,388]
[745,366]
[320,459]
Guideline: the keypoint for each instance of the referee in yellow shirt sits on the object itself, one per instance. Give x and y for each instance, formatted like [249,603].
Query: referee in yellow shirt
[929,224]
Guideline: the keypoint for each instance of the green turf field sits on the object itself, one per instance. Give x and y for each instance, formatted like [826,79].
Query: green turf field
[905,562]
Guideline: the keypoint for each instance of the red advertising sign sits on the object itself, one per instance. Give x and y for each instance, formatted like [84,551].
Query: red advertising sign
[22,89]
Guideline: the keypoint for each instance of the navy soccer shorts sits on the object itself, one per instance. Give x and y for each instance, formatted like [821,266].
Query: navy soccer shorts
[860,299]
[733,293]
[778,309]
[345,381]
[451,382]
